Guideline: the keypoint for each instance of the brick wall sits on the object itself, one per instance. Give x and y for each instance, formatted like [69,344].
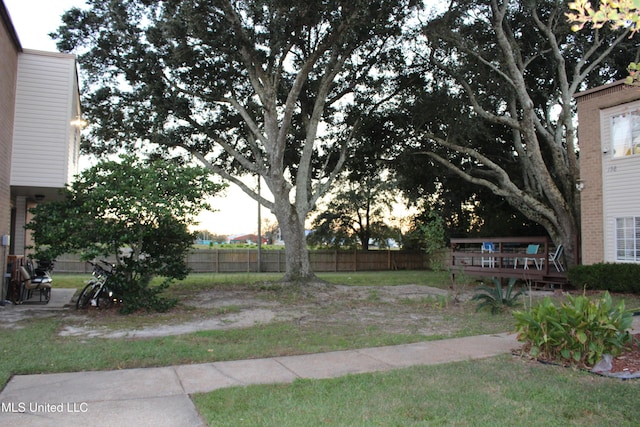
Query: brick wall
[590,103]
[8,69]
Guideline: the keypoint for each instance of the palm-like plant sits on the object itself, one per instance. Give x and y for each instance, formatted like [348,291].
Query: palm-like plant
[497,299]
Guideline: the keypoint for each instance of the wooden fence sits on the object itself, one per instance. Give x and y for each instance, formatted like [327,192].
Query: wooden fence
[246,260]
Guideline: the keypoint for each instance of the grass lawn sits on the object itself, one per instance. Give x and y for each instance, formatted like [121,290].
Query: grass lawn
[500,391]
[497,391]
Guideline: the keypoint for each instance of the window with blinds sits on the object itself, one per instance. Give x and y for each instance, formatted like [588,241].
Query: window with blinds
[628,239]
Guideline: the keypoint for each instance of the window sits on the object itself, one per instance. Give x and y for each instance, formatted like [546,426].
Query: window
[625,134]
[628,239]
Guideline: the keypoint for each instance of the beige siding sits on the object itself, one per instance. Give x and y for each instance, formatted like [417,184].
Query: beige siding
[620,178]
[608,183]
[45,99]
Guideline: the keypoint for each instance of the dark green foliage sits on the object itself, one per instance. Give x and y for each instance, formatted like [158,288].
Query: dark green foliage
[427,234]
[497,299]
[578,332]
[622,277]
[134,211]
[136,294]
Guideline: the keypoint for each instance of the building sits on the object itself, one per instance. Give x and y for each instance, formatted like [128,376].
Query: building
[40,120]
[9,50]
[609,135]
[248,239]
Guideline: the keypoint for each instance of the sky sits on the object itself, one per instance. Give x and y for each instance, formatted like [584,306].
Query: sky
[235,213]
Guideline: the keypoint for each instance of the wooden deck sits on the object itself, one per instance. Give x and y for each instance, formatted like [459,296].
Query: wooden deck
[507,260]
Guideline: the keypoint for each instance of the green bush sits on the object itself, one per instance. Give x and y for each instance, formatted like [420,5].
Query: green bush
[497,299]
[135,293]
[578,332]
[606,277]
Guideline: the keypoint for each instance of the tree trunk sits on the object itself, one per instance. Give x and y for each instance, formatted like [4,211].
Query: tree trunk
[298,266]
[570,243]
[566,233]
[364,236]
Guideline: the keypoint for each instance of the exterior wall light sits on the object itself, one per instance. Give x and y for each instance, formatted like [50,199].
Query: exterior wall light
[78,122]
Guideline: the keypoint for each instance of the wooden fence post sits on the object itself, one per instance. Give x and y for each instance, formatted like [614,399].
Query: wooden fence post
[355,260]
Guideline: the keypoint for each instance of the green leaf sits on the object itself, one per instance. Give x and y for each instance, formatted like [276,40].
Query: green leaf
[535,351]
[582,337]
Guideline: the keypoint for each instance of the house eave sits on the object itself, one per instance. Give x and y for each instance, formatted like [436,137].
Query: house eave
[6,19]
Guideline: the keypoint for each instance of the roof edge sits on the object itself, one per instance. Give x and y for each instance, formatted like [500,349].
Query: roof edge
[599,88]
[49,53]
[6,18]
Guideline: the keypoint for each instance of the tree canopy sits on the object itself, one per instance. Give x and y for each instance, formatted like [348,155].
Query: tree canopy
[620,15]
[288,90]
[272,87]
[516,65]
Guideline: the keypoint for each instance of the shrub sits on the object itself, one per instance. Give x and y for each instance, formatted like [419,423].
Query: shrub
[497,299]
[578,332]
[606,277]
[136,293]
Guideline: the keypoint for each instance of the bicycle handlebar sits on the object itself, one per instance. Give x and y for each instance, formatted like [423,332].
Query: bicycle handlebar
[101,269]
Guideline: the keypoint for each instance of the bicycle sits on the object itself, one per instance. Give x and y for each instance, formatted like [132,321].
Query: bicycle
[97,292]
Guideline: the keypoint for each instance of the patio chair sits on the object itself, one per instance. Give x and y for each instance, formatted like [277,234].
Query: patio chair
[36,283]
[554,258]
[537,261]
[488,261]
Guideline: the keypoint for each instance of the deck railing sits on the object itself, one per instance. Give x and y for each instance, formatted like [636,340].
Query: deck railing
[506,260]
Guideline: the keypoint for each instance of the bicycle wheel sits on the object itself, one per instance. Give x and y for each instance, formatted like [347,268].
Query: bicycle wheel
[85,296]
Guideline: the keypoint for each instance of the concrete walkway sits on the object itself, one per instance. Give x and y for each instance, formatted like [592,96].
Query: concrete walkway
[160,396]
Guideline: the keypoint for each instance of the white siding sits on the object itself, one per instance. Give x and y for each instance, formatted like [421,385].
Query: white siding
[620,181]
[46,102]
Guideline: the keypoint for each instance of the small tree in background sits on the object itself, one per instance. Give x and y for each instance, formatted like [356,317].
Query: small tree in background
[433,233]
[136,211]
[357,213]
[429,235]
[270,230]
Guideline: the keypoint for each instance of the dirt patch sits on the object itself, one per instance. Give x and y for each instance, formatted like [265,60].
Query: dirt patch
[398,309]
[243,319]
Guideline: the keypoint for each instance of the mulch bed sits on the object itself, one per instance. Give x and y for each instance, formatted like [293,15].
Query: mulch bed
[624,366]
[629,360]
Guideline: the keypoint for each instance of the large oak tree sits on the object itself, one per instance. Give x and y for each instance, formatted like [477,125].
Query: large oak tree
[518,65]
[265,87]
